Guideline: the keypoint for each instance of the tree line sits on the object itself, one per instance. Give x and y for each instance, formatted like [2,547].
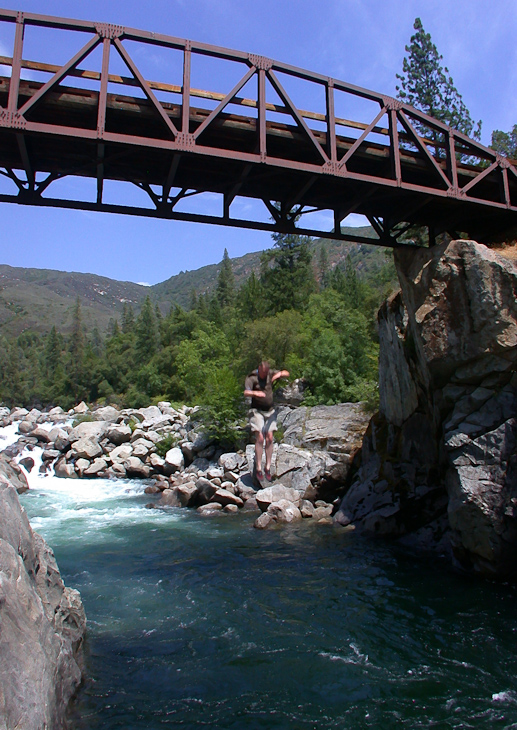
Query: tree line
[299,314]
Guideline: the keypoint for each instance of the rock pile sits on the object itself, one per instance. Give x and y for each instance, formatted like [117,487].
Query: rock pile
[168,446]
[438,465]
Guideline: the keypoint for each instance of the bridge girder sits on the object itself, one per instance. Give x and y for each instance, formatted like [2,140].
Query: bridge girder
[399,169]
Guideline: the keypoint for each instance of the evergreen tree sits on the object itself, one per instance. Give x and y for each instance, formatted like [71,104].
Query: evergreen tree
[287,275]
[225,290]
[426,85]
[147,338]
[128,319]
[53,348]
[76,345]
[505,142]
[193,299]
[323,266]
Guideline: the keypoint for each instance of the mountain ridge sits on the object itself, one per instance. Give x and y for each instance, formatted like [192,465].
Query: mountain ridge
[36,299]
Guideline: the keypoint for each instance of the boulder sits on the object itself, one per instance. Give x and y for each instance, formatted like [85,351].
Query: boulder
[209,509]
[97,466]
[86,448]
[277,492]
[224,497]
[81,408]
[107,413]
[42,434]
[88,429]
[64,470]
[43,625]
[119,434]
[173,461]
[437,466]
[205,490]
[12,473]
[136,468]
[284,511]
[60,438]
[121,453]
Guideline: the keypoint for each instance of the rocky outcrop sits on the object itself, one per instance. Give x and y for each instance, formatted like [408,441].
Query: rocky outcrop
[438,466]
[42,626]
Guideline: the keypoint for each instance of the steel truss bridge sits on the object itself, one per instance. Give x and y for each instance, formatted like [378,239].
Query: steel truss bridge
[398,167]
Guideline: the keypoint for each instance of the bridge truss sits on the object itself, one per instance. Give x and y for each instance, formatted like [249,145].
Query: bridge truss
[398,167]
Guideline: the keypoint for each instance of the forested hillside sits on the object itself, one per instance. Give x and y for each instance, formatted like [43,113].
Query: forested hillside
[302,307]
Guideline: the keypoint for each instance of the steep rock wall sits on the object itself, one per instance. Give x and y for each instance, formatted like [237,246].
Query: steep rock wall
[438,467]
[42,625]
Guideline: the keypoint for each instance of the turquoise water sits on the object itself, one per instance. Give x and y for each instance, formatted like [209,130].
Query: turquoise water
[197,622]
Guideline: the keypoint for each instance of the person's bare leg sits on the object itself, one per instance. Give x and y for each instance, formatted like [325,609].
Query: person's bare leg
[269,450]
[259,448]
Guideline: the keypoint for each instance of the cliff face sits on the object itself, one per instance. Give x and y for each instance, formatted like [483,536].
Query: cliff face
[438,465]
[42,625]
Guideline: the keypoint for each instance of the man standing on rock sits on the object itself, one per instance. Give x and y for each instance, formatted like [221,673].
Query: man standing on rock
[262,415]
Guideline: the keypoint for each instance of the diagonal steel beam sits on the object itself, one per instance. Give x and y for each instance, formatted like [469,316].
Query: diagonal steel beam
[227,99]
[144,86]
[480,177]
[63,71]
[423,148]
[296,114]
[357,143]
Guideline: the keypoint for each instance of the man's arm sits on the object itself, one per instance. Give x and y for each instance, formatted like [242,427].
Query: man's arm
[280,374]
[254,394]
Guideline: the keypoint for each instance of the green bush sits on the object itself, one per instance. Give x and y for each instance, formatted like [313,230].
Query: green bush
[165,444]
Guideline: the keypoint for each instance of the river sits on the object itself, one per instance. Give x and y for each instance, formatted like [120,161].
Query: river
[205,622]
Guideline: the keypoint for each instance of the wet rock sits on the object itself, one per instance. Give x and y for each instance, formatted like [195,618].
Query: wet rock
[26,427]
[230,508]
[283,511]
[41,434]
[263,521]
[224,497]
[64,470]
[210,509]
[12,473]
[27,462]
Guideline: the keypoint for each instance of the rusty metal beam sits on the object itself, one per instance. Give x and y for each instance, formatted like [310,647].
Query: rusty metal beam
[304,164]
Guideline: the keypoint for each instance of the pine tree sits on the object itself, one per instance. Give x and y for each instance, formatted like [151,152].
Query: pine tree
[505,142]
[128,319]
[225,290]
[287,275]
[147,338]
[426,85]
[52,355]
[76,345]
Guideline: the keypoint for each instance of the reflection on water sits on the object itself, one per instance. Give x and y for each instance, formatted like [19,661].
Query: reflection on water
[206,622]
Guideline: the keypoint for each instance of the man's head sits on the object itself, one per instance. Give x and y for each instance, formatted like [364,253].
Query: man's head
[263,369]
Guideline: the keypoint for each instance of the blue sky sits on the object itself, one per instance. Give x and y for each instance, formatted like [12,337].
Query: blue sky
[359,41]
